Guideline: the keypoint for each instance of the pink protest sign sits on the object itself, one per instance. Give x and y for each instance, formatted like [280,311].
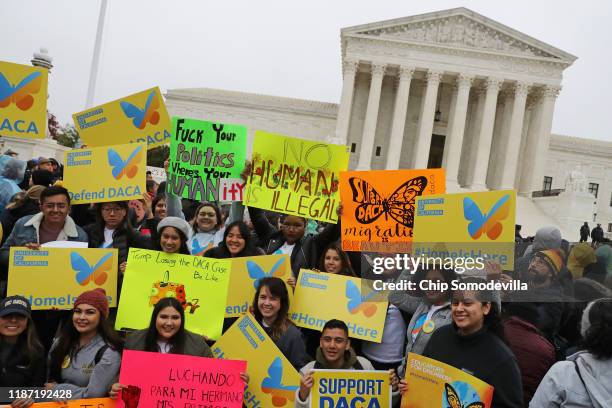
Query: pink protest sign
[179,381]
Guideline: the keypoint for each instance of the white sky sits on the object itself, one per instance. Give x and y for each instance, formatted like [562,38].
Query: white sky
[284,48]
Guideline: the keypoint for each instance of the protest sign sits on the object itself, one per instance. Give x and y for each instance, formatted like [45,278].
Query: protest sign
[321,296]
[479,224]
[432,383]
[295,176]
[138,118]
[157,173]
[350,388]
[231,189]
[61,275]
[174,380]
[245,276]
[273,380]
[80,403]
[23,101]
[378,207]
[203,153]
[200,285]
[102,174]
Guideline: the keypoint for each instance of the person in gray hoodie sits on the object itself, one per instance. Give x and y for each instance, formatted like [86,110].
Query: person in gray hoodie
[584,379]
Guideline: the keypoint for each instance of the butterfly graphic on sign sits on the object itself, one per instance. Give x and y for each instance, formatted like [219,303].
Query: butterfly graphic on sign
[399,205]
[257,273]
[273,385]
[121,167]
[197,249]
[486,223]
[140,117]
[20,94]
[98,273]
[357,303]
[452,400]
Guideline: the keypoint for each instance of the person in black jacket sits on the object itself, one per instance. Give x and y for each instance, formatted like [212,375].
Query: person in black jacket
[475,343]
[27,204]
[237,242]
[22,357]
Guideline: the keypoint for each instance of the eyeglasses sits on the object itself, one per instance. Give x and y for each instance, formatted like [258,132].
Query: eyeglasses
[59,206]
[293,226]
[109,210]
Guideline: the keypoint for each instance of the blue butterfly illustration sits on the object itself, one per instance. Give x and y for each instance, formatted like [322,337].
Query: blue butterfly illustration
[486,223]
[256,273]
[86,272]
[143,116]
[273,384]
[20,94]
[128,167]
[196,248]
[357,303]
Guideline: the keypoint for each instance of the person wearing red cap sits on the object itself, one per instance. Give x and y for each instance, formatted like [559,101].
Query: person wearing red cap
[85,359]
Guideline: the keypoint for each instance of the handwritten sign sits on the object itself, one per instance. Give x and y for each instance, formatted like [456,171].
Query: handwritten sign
[350,388]
[23,101]
[102,174]
[245,276]
[137,118]
[61,275]
[432,383]
[200,284]
[321,296]
[231,189]
[80,403]
[378,213]
[295,176]
[202,153]
[273,380]
[184,381]
[479,224]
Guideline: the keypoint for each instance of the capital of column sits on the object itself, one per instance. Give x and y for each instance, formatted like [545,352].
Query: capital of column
[464,81]
[349,67]
[551,91]
[405,72]
[378,69]
[521,89]
[493,84]
[433,76]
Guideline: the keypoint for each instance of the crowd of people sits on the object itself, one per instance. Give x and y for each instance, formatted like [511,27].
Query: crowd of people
[548,347]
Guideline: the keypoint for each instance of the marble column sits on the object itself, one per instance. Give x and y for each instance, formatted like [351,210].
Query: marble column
[537,143]
[399,118]
[425,129]
[452,150]
[485,135]
[471,139]
[369,126]
[349,70]
[512,141]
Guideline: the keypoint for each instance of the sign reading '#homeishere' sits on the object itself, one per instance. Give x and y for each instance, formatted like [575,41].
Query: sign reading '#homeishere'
[23,101]
[137,118]
[109,173]
[61,275]
[321,296]
[273,380]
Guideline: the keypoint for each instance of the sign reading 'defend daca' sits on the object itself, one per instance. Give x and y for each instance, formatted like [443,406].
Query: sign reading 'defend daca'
[204,154]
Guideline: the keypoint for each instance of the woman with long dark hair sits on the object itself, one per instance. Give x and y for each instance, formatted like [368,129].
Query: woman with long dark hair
[237,242]
[335,260]
[172,236]
[22,357]
[475,343]
[271,309]
[85,359]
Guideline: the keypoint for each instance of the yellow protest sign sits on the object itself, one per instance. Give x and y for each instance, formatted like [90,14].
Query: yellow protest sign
[109,173]
[321,296]
[199,284]
[61,275]
[466,225]
[295,176]
[350,388]
[432,383]
[23,101]
[245,275]
[273,380]
[138,118]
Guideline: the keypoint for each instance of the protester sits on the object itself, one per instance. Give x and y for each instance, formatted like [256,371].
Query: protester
[27,204]
[158,206]
[475,343]
[335,260]
[584,379]
[581,255]
[604,254]
[11,171]
[585,232]
[237,242]
[597,235]
[270,308]
[334,353]
[172,236]
[45,164]
[85,359]
[545,238]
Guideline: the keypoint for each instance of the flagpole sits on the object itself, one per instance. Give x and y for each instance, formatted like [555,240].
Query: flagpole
[95,63]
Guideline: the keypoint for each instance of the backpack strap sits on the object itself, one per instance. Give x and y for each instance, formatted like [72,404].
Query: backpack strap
[578,372]
[100,353]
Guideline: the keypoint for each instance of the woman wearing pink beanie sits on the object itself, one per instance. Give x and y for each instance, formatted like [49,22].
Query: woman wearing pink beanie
[86,358]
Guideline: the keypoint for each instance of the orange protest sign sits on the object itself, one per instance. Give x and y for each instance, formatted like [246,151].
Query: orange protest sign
[379,206]
[81,403]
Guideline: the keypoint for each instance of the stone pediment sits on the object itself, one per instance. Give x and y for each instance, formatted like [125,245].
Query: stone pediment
[460,28]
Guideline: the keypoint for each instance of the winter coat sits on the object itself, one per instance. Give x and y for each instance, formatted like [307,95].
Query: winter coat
[307,250]
[10,216]
[123,239]
[17,370]
[581,381]
[292,345]
[534,354]
[195,345]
